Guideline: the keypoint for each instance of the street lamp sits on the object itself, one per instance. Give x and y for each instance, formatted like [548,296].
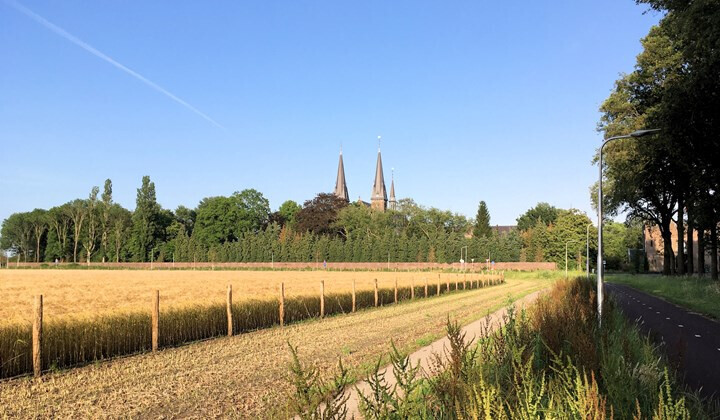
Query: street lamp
[587,251]
[600,270]
[566,259]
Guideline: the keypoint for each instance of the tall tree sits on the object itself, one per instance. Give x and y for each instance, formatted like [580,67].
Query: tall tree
[16,234]
[482,222]
[60,224]
[320,214]
[543,212]
[91,234]
[121,220]
[76,211]
[105,206]
[144,221]
[39,221]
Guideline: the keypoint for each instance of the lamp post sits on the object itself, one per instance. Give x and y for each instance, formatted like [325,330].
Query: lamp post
[600,270]
[462,262]
[566,259]
[587,251]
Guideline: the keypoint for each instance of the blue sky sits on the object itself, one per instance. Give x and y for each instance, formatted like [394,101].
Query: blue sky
[493,101]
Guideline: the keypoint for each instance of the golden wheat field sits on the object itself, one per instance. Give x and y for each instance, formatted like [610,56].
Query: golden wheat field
[93,292]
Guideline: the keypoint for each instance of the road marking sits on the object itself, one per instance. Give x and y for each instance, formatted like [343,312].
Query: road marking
[667,318]
[697,335]
[680,325]
[658,312]
[649,307]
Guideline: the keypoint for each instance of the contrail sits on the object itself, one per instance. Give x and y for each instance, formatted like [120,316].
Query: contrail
[89,48]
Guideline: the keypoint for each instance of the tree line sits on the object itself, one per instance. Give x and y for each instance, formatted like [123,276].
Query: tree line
[672,177]
[242,228]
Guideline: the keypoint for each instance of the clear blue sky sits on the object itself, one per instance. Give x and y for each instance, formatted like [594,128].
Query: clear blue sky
[493,101]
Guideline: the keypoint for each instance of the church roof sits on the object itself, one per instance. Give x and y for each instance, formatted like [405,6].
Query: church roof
[379,192]
[340,184]
[392,189]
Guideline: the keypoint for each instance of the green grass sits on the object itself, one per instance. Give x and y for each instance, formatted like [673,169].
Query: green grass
[698,294]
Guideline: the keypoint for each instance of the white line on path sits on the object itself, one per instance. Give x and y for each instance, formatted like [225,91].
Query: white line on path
[680,325]
[697,335]
[667,318]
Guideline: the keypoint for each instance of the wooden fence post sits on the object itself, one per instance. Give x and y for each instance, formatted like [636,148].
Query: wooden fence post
[353,296]
[448,283]
[376,293]
[322,298]
[282,304]
[37,336]
[426,287]
[155,320]
[395,290]
[229,310]
[438,289]
[412,288]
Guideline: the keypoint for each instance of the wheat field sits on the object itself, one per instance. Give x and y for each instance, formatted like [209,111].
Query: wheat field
[95,292]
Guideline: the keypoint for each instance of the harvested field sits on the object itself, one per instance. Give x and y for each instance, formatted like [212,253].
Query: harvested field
[246,375]
[96,292]
[76,337]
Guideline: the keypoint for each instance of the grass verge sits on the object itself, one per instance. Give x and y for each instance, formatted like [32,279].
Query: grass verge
[551,361]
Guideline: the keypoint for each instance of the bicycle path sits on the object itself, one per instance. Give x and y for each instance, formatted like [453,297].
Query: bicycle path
[690,340]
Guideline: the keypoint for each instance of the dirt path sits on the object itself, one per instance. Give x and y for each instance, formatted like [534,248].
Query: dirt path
[691,341]
[245,376]
[425,355]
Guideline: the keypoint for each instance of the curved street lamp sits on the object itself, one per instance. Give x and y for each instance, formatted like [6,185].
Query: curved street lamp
[600,268]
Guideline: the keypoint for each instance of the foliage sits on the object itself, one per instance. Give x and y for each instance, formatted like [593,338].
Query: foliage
[319,215]
[543,212]
[482,221]
[548,362]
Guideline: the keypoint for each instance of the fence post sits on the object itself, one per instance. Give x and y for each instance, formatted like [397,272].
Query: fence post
[438,289]
[376,294]
[395,290]
[448,283]
[155,320]
[426,289]
[229,310]
[353,296]
[282,304]
[322,298]
[412,288]
[37,336]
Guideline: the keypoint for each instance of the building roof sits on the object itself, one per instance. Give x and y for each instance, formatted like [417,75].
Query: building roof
[379,192]
[340,184]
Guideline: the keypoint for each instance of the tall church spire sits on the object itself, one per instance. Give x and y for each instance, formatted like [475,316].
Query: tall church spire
[340,185]
[392,204]
[378,198]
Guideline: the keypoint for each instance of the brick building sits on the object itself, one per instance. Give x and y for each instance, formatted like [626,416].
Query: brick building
[654,248]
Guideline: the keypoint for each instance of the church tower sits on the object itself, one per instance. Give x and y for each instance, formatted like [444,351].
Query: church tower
[341,190]
[378,200]
[392,204]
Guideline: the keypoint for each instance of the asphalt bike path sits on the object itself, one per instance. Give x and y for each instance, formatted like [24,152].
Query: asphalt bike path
[690,340]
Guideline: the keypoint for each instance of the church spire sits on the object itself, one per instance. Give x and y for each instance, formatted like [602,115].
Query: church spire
[340,185]
[392,204]
[378,198]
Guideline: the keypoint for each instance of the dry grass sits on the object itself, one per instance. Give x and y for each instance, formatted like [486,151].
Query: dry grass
[246,375]
[96,292]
